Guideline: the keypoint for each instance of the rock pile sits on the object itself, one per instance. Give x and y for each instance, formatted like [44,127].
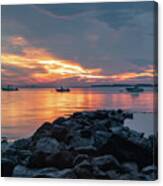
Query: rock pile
[88,145]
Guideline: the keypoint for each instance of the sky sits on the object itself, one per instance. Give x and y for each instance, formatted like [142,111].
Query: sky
[77,44]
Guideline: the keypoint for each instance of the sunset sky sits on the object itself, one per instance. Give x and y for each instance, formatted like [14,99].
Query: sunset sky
[77,44]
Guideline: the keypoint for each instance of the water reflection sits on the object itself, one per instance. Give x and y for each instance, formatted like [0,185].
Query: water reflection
[23,111]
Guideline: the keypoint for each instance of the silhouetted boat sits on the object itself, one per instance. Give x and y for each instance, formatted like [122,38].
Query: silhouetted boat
[62,89]
[10,88]
[134,89]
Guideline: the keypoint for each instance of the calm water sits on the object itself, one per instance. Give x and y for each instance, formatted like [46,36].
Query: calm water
[25,110]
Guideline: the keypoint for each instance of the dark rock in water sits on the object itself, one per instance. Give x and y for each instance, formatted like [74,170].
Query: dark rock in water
[79,158]
[43,131]
[101,139]
[52,173]
[21,144]
[48,145]
[59,132]
[85,145]
[61,160]
[22,171]
[151,171]
[129,167]
[86,133]
[107,162]
[84,170]
[59,121]
[89,150]
[7,167]
[37,160]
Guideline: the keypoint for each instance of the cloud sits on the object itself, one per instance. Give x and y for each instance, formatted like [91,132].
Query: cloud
[18,41]
[37,65]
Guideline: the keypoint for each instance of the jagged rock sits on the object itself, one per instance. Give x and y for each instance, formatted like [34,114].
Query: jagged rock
[7,167]
[43,131]
[59,132]
[86,133]
[84,170]
[79,158]
[78,141]
[59,121]
[22,171]
[48,145]
[149,169]
[52,173]
[106,162]
[89,150]
[93,144]
[129,167]
[61,160]
[101,138]
[21,144]
[37,160]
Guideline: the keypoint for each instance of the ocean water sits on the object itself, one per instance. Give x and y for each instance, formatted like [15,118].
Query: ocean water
[25,110]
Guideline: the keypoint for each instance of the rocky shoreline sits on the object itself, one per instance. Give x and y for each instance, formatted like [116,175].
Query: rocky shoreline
[86,145]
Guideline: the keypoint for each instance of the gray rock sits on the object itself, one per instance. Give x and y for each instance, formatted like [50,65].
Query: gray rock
[78,141]
[59,132]
[53,173]
[79,158]
[43,131]
[129,167]
[101,138]
[61,160]
[22,171]
[106,162]
[149,169]
[84,170]
[48,145]
[89,150]
[7,167]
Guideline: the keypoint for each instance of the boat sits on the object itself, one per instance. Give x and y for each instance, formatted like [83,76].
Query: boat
[10,88]
[62,89]
[134,89]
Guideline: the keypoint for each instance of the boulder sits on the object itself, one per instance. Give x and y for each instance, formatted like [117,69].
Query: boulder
[106,162]
[48,145]
[129,167]
[43,131]
[89,150]
[37,160]
[7,167]
[79,158]
[84,170]
[54,173]
[59,132]
[101,138]
[61,160]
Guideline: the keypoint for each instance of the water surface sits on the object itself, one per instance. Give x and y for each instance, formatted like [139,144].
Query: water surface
[25,110]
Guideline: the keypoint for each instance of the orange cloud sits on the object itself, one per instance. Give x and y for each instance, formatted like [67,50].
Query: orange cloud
[56,68]
[18,41]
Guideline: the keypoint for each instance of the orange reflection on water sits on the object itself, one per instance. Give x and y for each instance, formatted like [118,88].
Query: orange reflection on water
[23,111]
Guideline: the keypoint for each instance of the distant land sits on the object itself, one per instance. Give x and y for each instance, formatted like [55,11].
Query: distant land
[124,85]
[88,86]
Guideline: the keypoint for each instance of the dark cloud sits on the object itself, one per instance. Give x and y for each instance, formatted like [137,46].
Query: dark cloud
[116,37]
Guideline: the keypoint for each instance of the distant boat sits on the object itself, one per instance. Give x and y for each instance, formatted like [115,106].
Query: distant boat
[134,89]
[10,88]
[62,89]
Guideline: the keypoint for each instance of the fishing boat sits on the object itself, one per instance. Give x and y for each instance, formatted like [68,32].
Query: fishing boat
[62,89]
[10,88]
[134,89]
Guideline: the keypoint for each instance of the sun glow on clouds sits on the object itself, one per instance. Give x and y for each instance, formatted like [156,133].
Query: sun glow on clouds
[43,66]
